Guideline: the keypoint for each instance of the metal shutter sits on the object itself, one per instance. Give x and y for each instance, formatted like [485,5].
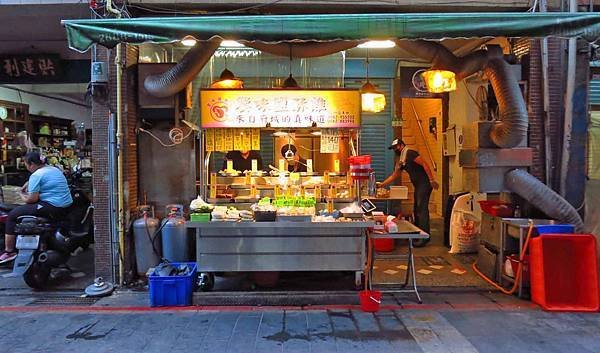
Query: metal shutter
[595,92]
[376,129]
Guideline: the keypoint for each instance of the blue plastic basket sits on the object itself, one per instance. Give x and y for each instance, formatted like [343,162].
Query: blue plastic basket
[555,229]
[173,290]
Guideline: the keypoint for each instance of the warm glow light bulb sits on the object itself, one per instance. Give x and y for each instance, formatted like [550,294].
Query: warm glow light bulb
[439,81]
[188,41]
[372,102]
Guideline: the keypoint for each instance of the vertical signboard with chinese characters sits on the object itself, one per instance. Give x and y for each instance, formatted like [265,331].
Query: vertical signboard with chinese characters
[34,68]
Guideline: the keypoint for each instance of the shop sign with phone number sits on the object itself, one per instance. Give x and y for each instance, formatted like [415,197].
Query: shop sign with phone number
[280,108]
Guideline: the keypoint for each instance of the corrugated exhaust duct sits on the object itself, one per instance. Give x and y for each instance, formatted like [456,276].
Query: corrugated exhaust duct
[511,130]
[541,196]
[176,78]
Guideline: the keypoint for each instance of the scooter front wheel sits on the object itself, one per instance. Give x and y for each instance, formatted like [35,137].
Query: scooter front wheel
[37,276]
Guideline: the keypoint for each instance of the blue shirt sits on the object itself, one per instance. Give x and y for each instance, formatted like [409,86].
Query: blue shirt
[52,186]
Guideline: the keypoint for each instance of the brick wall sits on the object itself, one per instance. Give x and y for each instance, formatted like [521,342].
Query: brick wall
[100,124]
[556,81]
[536,111]
[101,110]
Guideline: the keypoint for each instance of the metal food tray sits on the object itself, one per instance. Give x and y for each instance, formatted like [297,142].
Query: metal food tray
[353,215]
[299,218]
[219,200]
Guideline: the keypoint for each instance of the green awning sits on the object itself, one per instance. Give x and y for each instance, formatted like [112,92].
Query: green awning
[82,34]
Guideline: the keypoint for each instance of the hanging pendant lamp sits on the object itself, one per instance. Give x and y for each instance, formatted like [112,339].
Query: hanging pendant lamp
[227,79]
[372,100]
[439,81]
[290,81]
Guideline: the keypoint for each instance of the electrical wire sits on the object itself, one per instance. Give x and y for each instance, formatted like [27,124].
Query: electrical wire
[157,9]
[174,136]
[472,97]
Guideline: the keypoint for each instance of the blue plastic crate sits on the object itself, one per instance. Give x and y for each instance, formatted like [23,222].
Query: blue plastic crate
[555,229]
[173,290]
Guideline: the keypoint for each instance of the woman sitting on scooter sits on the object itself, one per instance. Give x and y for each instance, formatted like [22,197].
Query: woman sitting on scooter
[46,194]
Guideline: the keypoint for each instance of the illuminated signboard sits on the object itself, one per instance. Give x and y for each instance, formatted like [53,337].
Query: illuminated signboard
[280,108]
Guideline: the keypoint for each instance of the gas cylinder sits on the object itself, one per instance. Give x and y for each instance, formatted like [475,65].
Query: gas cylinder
[147,241]
[174,235]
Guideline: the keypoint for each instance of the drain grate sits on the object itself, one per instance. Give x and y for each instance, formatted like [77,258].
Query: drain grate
[275,300]
[63,301]
[433,260]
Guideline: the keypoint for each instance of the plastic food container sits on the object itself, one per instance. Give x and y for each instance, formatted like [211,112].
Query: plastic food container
[497,208]
[200,217]
[265,216]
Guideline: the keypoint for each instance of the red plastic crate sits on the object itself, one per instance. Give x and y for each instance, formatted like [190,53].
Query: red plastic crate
[564,272]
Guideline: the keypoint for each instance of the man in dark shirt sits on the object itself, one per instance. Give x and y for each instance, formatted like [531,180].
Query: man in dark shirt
[420,176]
[295,162]
[242,160]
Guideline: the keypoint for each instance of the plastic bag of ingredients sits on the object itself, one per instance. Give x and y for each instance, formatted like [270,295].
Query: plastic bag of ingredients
[467,228]
[200,206]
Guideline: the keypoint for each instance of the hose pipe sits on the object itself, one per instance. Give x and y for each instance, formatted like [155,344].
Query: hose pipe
[512,128]
[544,198]
[176,78]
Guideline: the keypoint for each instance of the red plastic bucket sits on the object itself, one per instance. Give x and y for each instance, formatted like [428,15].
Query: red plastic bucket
[369,300]
[383,245]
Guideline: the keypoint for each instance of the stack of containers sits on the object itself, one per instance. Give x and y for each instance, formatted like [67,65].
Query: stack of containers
[360,167]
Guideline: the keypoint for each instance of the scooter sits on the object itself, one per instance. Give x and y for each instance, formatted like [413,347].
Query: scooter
[44,243]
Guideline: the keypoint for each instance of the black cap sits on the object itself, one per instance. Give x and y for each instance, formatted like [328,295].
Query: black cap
[397,141]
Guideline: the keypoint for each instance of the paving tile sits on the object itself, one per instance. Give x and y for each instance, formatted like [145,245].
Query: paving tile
[321,332]
[222,327]
[270,334]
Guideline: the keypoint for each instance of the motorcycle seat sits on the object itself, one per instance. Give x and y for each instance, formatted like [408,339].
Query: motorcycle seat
[77,234]
[7,207]
[38,220]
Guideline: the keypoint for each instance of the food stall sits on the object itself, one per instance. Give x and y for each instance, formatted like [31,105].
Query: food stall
[276,219]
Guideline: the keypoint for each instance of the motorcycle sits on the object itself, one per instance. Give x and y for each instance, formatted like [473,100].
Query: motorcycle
[44,244]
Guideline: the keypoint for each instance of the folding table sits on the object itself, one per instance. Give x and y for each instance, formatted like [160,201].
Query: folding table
[407,231]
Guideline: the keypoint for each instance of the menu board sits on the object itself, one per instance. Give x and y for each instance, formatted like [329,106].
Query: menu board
[209,140]
[220,140]
[330,141]
[246,139]
[237,139]
[228,145]
[224,140]
[280,108]
[255,139]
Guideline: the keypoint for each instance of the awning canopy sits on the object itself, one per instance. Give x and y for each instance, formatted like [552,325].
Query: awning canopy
[328,27]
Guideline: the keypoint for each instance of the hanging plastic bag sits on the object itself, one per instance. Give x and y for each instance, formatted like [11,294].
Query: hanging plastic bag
[467,227]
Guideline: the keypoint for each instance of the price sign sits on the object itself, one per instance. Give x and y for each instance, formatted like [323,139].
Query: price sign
[246,139]
[255,139]
[228,144]
[220,140]
[330,141]
[237,139]
[209,140]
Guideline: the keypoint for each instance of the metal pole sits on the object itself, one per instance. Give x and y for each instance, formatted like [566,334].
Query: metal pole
[546,91]
[120,191]
[571,66]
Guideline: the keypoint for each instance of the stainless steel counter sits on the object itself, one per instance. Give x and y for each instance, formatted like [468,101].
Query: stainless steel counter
[280,246]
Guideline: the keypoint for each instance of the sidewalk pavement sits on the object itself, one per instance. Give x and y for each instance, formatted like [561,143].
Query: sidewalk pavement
[268,329]
[450,321]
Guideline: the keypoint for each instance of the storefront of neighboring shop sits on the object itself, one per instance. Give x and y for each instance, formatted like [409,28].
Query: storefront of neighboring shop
[273,175]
